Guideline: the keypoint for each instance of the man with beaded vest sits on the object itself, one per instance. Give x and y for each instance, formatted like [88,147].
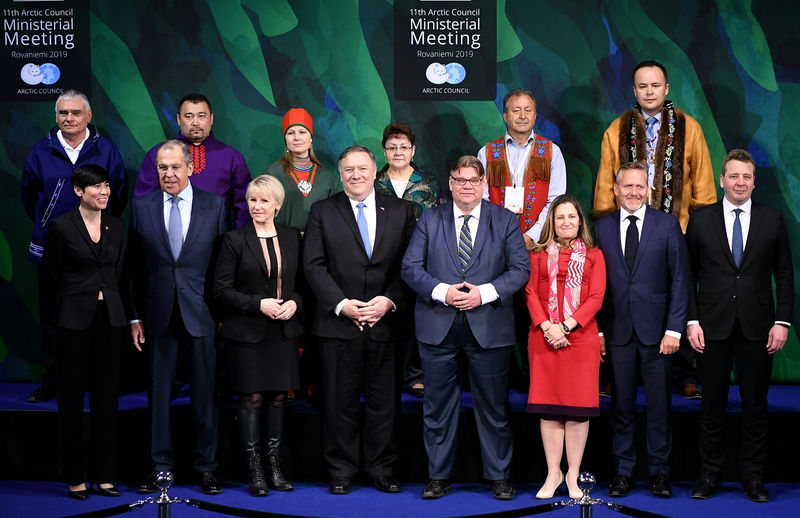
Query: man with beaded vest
[679,171]
[672,144]
[217,167]
[524,171]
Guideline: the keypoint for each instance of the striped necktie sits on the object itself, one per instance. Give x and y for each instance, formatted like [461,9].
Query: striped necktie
[465,243]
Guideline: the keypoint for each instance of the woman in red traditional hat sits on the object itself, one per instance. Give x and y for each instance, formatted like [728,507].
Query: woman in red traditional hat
[304,179]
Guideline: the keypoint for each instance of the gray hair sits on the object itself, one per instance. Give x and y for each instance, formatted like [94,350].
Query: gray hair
[71,94]
[628,166]
[179,144]
[355,149]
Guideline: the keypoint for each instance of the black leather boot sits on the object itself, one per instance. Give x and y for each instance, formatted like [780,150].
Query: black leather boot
[250,436]
[275,476]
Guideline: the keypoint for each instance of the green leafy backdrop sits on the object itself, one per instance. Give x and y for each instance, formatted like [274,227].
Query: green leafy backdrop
[733,65]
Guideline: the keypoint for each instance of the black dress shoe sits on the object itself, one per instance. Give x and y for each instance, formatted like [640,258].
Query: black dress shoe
[387,484]
[437,488]
[78,494]
[502,490]
[340,486]
[44,392]
[705,488]
[660,486]
[417,390]
[105,491]
[149,484]
[756,491]
[621,486]
[210,484]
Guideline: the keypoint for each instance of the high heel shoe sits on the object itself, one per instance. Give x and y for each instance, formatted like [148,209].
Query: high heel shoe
[106,491]
[544,493]
[574,492]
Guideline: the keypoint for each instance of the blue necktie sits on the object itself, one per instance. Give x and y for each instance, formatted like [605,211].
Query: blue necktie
[651,140]
[363,229]
[631,242]
[737,243]
[175,228]
[465,243]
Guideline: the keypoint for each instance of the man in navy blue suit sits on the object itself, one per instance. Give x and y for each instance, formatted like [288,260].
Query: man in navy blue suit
[643,314]
[465,261]
[171,242]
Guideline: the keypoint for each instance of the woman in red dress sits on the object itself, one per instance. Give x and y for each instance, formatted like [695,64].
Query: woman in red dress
[566,288]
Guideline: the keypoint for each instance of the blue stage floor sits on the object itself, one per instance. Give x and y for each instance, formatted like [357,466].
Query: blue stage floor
[782,398]
[22,499]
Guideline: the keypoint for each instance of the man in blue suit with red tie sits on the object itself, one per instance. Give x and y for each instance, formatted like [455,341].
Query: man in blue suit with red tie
[643,314]
[466,259]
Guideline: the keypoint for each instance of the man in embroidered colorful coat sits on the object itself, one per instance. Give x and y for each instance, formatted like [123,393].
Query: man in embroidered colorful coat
[524,171]
[47,194]
[680,175]
[679,171]
[218,168]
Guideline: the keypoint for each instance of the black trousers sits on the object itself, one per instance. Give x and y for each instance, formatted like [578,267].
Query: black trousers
[350,367]
[88,360]
[753,371]
[200,355]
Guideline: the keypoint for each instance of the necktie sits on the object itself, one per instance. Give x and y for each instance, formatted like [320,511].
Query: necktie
[631,242]
[737,244]
[363,229]
[175,228]
[651,140]
[465,243]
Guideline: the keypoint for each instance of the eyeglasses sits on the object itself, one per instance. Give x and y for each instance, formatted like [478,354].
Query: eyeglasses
[394,149]
[475,181]
[174,168]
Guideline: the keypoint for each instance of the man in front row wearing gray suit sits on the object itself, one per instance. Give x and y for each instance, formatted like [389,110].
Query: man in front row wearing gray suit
[465,261]
[171,243]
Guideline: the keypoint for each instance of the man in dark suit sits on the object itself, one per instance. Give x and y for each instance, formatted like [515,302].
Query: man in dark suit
[643,314]
[354,243]
[172,237]
[736,248]
[466,260]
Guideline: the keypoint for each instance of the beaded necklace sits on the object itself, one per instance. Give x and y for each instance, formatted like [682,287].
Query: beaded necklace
[303,175]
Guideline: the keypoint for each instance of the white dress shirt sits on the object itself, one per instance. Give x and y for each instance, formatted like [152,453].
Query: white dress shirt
[517,162]
[370,215]
[184,205]
[487,291]
[72,152]
[730,218]
[624,223]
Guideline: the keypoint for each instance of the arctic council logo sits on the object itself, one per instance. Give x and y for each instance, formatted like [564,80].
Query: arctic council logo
[452,73]
[33,74]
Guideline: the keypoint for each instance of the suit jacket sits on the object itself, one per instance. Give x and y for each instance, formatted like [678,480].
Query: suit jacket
[720,292]
[157,276]
[75,270]
[240,282]
[654,297]
[498,257]
[337,267]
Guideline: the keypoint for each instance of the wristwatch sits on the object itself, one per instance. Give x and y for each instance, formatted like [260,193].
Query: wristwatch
[565,328]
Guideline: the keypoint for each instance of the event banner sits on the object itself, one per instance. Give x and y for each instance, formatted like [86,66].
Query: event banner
[445,50]
[45,49]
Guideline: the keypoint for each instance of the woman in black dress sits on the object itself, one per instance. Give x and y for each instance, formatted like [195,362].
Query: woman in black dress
[82,266]
[255,283]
